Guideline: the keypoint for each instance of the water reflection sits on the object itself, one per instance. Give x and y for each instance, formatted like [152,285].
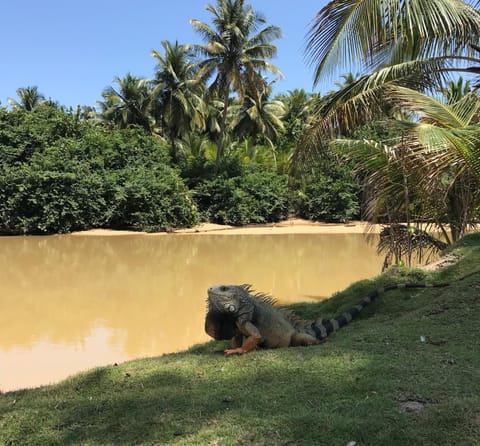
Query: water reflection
[72,302]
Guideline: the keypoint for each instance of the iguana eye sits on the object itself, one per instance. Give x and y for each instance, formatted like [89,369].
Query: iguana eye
[223,288]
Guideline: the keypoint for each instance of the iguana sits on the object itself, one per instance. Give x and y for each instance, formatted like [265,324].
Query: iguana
[253,319]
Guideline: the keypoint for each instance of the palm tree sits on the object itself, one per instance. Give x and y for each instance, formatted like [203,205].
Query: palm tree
[235,52]
[129,104]
[258,117]
[347,79]
[298,108]
[454,91]
[446,139]
[435,164]
[30,99]
[180,106]
[413,43]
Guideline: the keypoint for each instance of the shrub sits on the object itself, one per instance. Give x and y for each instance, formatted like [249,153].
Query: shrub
[118,179]
[23,133]
[259,196]
[37,201]
[151,200]
[330,200]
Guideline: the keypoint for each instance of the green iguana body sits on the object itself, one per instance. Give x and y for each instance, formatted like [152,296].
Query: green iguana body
[252,320]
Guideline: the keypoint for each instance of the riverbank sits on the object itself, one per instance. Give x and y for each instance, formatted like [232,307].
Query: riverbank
[291,226]
[407,371]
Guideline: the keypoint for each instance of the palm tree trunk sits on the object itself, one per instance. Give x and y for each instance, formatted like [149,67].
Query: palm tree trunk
[221,134]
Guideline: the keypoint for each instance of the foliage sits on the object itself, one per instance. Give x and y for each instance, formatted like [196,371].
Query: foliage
[79,176]
[36,201]
[129,104]
[258,117]
[235,53]
[429,171]
[23,133]
[329,193]
[330,200]
[30,99]
[297,109]
[381,34]
[256,195]
[151,200]
[179,105]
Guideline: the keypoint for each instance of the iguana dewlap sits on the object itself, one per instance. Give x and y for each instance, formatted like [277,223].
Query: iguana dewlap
[252,320]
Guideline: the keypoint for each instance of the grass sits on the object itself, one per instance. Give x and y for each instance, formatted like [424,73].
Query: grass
[406,372]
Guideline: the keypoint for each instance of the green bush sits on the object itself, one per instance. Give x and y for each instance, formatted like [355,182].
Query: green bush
[328,192]
[194,171]
[38,202]
[329,199]
[96,178]
[255,197]
[151,200]
[23,133]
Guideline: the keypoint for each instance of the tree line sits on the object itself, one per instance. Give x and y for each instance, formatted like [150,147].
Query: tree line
[397,143]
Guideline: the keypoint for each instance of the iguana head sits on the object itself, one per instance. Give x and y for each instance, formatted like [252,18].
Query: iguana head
[227,304]
[228,299]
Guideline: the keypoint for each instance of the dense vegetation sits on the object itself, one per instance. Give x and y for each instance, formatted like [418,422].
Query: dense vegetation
[407,371]
[204,139]
[61,173]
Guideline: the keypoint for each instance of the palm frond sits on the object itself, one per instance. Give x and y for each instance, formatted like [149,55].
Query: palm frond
[360,101]
[373,32]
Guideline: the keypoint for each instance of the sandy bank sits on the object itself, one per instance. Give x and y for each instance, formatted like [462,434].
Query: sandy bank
[291,226]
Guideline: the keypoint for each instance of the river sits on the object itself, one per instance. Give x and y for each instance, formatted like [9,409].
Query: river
[72,302]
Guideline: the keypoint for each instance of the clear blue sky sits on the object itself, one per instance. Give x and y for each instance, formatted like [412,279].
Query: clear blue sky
[72,49]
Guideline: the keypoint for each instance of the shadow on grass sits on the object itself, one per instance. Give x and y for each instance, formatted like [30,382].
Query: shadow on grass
[255,399]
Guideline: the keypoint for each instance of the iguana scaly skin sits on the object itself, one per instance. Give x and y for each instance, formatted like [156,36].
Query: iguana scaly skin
[253,319]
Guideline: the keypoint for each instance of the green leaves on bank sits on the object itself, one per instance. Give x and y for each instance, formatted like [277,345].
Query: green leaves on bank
[59,173]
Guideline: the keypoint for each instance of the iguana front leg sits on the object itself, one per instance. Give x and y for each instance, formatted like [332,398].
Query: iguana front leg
[253,338]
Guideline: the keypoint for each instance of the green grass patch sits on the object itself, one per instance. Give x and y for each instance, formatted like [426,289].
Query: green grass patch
[407,371]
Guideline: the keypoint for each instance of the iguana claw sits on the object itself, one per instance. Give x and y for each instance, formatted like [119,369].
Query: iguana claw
[234,351]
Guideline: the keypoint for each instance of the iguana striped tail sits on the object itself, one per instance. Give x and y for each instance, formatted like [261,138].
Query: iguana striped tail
[325,327]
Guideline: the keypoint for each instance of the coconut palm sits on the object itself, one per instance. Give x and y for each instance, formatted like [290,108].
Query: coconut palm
[413,43]
[297,110]
[129,104]
[258,117]
[454,91]
[180,106]
[435,163]
[446,137]
[235,53]
[30,99]
[387,32]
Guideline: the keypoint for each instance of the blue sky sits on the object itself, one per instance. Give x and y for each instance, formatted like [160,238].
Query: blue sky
[72,49]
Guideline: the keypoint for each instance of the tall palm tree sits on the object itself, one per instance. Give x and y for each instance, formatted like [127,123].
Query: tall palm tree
[129,104]
[180,106]
[235,52]
[30,98]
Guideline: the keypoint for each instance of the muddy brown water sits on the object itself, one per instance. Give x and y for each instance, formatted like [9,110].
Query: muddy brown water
[69,303]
